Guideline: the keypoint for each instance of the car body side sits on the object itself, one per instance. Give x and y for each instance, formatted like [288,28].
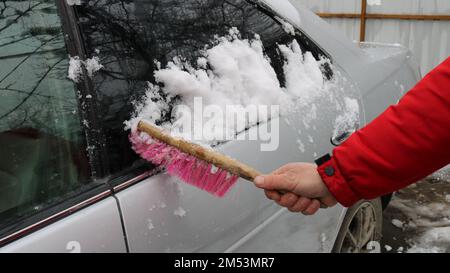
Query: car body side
[141,211]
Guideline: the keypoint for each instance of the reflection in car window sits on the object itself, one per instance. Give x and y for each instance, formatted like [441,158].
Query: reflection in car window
[43,155]
[130,36]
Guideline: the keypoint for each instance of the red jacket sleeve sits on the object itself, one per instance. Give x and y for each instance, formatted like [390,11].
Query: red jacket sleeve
[406,143]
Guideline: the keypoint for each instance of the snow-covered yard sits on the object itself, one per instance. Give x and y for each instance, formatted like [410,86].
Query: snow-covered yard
[418,218]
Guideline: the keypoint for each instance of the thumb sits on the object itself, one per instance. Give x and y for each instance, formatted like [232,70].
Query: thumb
[275,182]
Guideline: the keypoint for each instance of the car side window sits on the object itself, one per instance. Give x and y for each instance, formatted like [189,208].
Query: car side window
[43,159]
[133,38]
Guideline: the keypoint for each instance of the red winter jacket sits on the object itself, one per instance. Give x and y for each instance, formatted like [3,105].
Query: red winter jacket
[406,143]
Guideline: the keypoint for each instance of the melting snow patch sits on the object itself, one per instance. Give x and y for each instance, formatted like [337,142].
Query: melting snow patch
[162,205]
[301,146]
[447,198]
[180,212]
[348,121]
[150,225]
[433,241]
[428,213]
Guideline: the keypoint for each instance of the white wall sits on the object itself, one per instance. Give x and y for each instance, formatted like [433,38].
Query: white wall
[428,40]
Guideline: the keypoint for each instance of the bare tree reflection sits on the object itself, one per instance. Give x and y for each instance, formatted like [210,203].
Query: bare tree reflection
[132,35]
[40,134]
[32,53]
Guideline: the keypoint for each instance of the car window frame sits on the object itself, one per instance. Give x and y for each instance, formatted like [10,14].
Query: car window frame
[314,47]
[98,189]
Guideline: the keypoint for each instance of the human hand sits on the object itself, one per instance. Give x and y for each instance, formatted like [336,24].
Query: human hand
[298,187]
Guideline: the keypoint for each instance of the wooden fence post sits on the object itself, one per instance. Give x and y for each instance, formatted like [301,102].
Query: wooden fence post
[363,18]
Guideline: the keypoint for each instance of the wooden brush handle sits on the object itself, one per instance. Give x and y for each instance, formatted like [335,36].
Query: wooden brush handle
[217,159]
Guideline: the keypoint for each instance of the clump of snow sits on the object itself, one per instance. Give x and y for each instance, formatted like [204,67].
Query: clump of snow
[180,212]
[304,78]
[288,28]
[241,74]
[374,247]
[388,247]
[73,2]
[75,69]
[235,71]
[397,223]
[93,65]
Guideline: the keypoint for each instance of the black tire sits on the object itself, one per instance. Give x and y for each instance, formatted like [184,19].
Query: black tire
[361,228]
[385,200]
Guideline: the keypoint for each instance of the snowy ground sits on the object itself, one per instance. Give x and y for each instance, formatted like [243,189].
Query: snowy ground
[418,218]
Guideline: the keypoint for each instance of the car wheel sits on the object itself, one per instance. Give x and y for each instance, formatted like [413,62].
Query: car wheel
[361,229]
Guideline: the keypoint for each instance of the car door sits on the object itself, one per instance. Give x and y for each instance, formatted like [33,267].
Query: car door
[49,199]
[161,214]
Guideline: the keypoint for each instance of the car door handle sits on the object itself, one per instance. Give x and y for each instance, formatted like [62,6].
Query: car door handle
[343,136]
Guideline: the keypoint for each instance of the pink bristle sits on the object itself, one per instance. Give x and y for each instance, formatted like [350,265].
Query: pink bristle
[205,173]
[186,167]
[215,179]
[198,172]
[227,185]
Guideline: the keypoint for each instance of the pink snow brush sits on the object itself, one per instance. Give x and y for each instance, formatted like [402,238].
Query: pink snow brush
[188,161]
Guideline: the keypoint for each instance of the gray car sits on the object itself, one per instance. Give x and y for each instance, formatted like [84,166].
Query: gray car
[69,181]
